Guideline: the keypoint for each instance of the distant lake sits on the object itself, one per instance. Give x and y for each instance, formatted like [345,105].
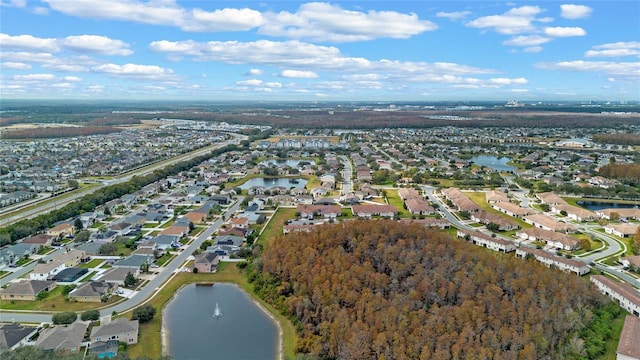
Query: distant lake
[271,182]
[597,205]
[497,164]
[243,331]
[288,162]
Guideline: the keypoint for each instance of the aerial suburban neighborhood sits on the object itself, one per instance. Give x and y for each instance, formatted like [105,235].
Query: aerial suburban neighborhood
[537,194]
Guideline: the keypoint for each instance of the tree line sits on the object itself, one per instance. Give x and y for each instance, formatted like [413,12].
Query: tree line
[384,290]
[58,132]
[626,173]
[617,139]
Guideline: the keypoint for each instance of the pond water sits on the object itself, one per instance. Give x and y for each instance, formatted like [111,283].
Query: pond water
[497,164]
[271,182]
[288,162]
[242,331]
[597,205]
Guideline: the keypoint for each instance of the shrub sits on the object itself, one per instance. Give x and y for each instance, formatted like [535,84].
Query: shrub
[64,318]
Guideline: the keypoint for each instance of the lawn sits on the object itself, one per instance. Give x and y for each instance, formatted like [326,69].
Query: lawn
[274,227]
[4,273]
[150,342]
[395,200]
[164,259]
[88,276]
[91,264]
[55,302]
[612,343]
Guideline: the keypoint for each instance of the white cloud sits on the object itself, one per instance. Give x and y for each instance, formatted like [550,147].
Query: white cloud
[15,65]
[147,72]
[564,31]
[28,42]
[14,3]
[71,78]
[454,15]
[96,44]
[526,40]
[252,82]
[507,81]
[34,77]
[515,21]
[254,72]
[79,43]
[222,20]
[571,11]
[533,49]
[273,84]
[300,74]
[631,70]
[95,88]
[326,22]
[630,48]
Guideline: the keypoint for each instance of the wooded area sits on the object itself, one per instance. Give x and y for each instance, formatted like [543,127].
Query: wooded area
[618,139]
[626,173]
[384,290]
[57,132]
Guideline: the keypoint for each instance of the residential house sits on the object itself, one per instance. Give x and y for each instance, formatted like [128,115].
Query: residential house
[630,261]
[495,196]
[621,230]
[64,229]
[164,242]
[486,241]
[550,198]
[196,217]
[207,262]
[428,222]
[176,230]
[326,211]
[512,209]
[92,291]
[60,337]
[43,240]
[134,261]
[419,206]
[574,212]
[368,211]
[548,223]
[629,343]
[409,193]
[120,329]
[550,260]
[228,240]
[46,271]
[73,258]
[13,336]
[622,213]
[26,289]
[240,223]
[486,218]
[551,238]
[626,295]
[117,275]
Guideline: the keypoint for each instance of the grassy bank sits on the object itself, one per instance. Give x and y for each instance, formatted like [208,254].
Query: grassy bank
[150,341]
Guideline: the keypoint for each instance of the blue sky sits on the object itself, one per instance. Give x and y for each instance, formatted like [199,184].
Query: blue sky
[291,50]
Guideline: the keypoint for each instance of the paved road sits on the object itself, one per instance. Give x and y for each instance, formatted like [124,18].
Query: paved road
[48,206]
[145,292]
[347,172]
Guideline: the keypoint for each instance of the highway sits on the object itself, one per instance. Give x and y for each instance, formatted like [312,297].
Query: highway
[48,205]
[147,291]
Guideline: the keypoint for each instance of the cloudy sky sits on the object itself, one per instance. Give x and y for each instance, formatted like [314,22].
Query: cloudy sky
[349,50]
